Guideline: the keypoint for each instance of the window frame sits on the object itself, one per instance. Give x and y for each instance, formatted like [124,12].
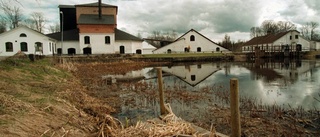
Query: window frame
[9,46]
[23,35]
[86,39]
[24,48]
[192,38]
[107,40]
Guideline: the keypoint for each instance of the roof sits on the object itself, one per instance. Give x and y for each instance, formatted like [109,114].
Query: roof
[70,35]
[95,4]
[24,27]
[66,6]
[199,34]
[94,19]
[121,35]
[270,38]
[73,35]
[181,38]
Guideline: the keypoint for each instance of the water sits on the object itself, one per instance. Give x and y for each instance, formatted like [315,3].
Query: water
[193,88]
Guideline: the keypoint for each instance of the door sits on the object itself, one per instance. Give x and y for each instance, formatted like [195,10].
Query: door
[87,51]
[122,50]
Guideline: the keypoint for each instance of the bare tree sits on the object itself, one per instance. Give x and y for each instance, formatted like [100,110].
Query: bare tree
[13,15]
[3,25]
[284,26]
[309,30]
[159,38]
[256,32]
[269,26]
[38,20]
[54,28]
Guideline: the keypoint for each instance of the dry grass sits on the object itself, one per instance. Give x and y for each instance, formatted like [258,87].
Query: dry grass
[170,125]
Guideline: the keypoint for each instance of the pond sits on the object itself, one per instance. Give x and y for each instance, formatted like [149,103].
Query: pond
[193,88]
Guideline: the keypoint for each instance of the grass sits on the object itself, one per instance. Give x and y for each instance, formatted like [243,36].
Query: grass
[183,55]
[30,82]
[3,122]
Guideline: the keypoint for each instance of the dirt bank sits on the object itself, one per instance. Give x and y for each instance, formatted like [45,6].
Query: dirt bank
[39,99]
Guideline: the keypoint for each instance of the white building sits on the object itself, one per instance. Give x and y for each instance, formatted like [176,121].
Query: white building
[278,42]
[26,40]
[191,41]
[87,31]
[147,48]
[315,45]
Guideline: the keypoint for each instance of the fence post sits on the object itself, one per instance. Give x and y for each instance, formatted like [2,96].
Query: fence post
[234,107]
[162,107]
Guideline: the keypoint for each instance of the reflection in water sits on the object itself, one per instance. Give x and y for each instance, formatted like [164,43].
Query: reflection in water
[284,83]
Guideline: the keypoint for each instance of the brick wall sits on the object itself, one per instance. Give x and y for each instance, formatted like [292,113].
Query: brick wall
[96,28]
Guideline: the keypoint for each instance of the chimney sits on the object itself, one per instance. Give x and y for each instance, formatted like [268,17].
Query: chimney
[100,16]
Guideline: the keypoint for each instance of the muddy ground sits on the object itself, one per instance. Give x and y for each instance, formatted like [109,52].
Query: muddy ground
[47,98]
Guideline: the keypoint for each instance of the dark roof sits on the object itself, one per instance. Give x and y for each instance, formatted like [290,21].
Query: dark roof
[70,35]
[121,35]
[66,6]
[73,35]
[270,38]
[94,19]
[95,4]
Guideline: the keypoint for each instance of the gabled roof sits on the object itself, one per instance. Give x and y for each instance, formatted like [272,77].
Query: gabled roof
[199,34]
[94,19]
[70,35]
[180,38]
[24,27]
[121,35]
[270,38]
[95,4]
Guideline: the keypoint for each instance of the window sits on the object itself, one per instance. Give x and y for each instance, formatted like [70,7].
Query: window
[290,37]
[86,40]
[107,39]
[199,49]
[23,35]
[217,49]
[9,47]
[169,51]
[38,46]
[50,46]
[297,36]
[24,46]
[138,51]
[192,38]
[193,77]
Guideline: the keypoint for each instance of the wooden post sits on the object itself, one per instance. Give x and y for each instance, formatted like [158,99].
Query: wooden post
[162,107]
[234,106]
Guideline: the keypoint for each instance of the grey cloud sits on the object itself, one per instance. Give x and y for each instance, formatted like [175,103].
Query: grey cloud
[225,16]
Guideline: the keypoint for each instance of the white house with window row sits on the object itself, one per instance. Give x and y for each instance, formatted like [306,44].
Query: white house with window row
[26,40]
[191,41]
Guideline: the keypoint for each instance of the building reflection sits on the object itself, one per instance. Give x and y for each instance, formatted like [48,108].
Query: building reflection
[285,70]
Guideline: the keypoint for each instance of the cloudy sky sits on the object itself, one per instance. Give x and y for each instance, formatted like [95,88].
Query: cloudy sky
[212,18]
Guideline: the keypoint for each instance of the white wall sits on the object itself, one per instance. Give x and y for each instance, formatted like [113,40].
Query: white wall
[32,37]
[317,45]
[69,44]
[97,43]
[200,41]
[130,46]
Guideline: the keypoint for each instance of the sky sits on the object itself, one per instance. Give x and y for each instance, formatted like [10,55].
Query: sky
[212,18]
